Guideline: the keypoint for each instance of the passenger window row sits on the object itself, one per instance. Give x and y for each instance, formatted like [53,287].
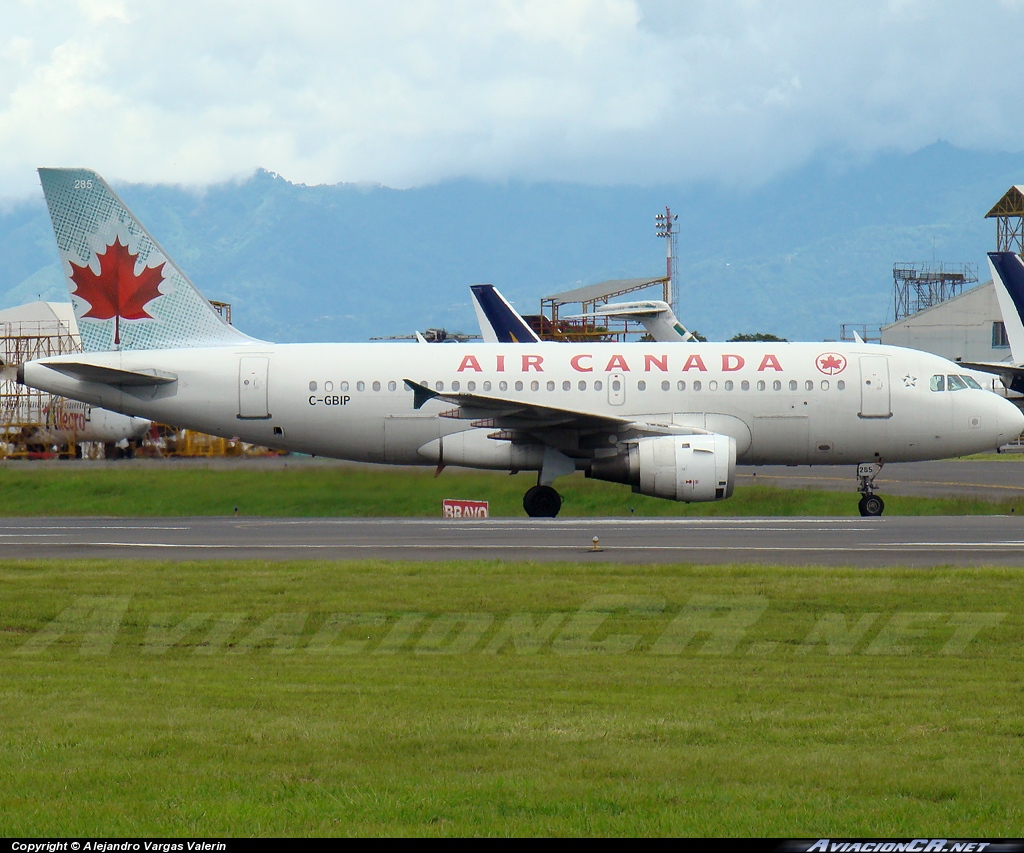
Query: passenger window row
[344,385]
[641,385]
[938,383]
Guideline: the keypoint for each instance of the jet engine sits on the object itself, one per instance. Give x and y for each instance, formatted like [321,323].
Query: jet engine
[678,467]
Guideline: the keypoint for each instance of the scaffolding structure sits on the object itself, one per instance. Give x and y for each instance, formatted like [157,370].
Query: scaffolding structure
[25,411]
[918,286]
[1009,216]
[550,326]
[867,332]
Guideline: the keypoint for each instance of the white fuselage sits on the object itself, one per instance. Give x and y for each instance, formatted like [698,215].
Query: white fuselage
[784,403]
[69,420]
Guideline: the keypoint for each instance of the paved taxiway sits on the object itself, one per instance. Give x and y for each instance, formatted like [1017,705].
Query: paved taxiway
[988,480]
[893,541]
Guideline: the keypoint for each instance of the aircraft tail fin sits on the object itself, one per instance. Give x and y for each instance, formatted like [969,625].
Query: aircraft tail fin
[499,321]
[1007,270]
[126,291]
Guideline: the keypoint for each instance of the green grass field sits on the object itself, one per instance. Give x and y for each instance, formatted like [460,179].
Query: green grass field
[302,490]
[376,698]
[373,698]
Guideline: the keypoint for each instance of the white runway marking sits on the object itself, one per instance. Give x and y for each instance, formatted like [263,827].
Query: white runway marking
[893,546]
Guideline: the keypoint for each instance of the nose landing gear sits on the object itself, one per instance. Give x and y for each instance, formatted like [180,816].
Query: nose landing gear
[870,504]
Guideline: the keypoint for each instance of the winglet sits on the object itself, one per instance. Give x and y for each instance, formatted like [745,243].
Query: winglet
[420,393]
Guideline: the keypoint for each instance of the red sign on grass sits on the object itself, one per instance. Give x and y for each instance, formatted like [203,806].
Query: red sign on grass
[464,509]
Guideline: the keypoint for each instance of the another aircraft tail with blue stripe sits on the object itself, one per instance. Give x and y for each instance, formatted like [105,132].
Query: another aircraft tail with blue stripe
[499,321]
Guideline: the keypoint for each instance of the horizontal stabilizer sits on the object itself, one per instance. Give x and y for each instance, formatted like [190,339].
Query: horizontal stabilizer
[112,375]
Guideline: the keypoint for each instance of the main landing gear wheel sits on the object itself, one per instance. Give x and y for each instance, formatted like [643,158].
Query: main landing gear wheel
[871,505]
[542,502]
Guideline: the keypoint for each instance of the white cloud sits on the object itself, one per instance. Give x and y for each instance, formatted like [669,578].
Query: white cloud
[405,92]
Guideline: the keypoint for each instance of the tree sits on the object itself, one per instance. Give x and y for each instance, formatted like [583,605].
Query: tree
[757,336]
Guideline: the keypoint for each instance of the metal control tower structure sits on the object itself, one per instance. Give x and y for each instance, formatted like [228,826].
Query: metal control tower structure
[918,286]
[665,226]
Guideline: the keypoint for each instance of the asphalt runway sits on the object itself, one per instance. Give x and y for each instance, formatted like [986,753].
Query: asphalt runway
[886,541]
[866,543]
[989,480]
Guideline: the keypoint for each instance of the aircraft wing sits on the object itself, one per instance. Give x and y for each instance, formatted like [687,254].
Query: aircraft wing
[631,309]
[532,418]
[657,318]
[1012,375]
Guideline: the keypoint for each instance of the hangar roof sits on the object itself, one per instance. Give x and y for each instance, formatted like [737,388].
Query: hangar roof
[55,313]
[613,287]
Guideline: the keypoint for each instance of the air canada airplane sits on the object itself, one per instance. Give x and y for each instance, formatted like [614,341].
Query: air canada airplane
[671,421]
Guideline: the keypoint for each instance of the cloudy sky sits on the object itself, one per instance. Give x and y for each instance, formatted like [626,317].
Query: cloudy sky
[410,92]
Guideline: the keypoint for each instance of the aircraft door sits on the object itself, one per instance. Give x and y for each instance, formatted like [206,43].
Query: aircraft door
[616,389]
[875,398]
[252,387]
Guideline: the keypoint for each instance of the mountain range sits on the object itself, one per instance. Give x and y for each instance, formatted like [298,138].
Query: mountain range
[795,256]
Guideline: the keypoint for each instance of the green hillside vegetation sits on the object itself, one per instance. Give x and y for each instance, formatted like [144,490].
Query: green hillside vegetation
[799,255]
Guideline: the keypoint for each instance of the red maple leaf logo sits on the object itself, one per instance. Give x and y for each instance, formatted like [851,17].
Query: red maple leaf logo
[831,363]
[117,291]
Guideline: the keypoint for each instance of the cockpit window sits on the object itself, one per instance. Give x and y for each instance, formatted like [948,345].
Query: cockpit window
[953,382]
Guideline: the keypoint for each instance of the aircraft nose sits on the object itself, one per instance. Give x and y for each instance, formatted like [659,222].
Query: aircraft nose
[1010,420]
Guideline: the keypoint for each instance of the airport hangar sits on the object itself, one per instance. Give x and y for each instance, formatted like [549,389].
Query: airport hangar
[934,314]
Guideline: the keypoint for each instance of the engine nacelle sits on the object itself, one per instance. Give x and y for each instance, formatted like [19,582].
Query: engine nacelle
[678,467]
